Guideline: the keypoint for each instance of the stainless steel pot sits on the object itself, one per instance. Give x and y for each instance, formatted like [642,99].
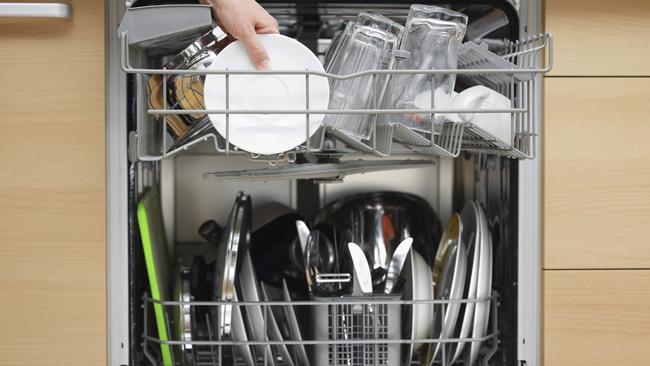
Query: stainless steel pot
[380,221]
[186,91]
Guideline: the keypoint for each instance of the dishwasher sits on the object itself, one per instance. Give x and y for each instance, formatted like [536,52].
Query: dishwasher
[184,188]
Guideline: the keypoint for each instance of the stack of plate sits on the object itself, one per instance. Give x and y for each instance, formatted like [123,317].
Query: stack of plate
[237,281]
[462,270]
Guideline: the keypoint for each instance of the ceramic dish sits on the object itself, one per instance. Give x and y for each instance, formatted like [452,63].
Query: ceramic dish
[183,314]
[449,278]
[274,330]
[243,351]
[266,133]
[498,125]
[275,294]
[484,288]
[299,352]
[418,287]
[471,238]
[248,287]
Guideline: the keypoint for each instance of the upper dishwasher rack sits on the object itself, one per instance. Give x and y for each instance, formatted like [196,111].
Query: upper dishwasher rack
[526,58]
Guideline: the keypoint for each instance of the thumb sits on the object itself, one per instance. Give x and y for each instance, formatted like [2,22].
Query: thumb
[256,51]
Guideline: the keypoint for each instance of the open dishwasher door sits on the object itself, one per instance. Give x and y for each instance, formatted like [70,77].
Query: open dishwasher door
[444,171]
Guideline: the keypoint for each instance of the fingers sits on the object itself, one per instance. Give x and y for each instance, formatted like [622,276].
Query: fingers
[265,23]
[268,26]
[256,51]
[268,30]
[244,20]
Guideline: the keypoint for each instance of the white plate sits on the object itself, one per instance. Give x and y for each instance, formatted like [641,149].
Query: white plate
[294,328]
[450,263]
[249,291]
[274,330]
[484,289]
[420,277]
[267,133]
[239,334]
[471,238]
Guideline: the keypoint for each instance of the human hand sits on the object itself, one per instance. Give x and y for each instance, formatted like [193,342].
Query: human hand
[244,20]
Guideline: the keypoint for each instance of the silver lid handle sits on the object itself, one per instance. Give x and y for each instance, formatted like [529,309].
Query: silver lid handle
[333,277]
[35,10]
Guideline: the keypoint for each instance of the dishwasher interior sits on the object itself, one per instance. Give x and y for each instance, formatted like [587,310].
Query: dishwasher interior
[193,185]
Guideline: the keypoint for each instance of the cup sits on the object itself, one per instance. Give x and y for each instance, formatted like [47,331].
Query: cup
[431,40]
[480,97]
[369,47]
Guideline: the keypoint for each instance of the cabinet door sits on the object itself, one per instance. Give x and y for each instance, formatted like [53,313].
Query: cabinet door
[597,173]
[52,205]
[599,37]
[597,318]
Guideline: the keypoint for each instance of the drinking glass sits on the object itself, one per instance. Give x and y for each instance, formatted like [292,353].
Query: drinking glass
[431,39]
[340,40]
[369,47]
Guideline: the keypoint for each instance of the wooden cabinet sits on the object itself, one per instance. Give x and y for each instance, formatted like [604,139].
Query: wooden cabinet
[597,184]
[52,195]
[597,318]
[600,37]
[597,173]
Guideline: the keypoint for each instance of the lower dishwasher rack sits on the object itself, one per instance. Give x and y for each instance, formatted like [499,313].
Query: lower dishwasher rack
[355,331]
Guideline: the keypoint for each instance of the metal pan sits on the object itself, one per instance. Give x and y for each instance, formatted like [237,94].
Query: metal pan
[233,241]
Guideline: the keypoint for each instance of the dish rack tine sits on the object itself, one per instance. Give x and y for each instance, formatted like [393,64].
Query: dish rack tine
[208,322]
[374,117]
[145,326]
[227,114]
[265,320]
[164,126]
[307,134]
[494,331]
[432,115]
[170,333]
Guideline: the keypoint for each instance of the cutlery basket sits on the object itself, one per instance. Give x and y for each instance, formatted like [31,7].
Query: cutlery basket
[352,329]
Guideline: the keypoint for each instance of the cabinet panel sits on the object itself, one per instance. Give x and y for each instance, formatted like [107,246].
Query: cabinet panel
[597,318]
[52,195]
[597,173]
[600,37]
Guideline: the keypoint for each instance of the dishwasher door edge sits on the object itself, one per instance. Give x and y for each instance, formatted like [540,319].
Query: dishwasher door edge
[530,220]
[116,194]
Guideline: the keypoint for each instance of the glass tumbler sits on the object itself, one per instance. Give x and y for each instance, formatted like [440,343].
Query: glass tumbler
[369,47]
[340,40]
[431,39]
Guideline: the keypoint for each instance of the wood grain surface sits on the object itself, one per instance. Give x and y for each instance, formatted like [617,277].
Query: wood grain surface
[597,318]
[600,37]
[597,173]
[52,190]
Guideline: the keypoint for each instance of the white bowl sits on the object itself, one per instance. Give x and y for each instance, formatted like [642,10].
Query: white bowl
[479,97]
